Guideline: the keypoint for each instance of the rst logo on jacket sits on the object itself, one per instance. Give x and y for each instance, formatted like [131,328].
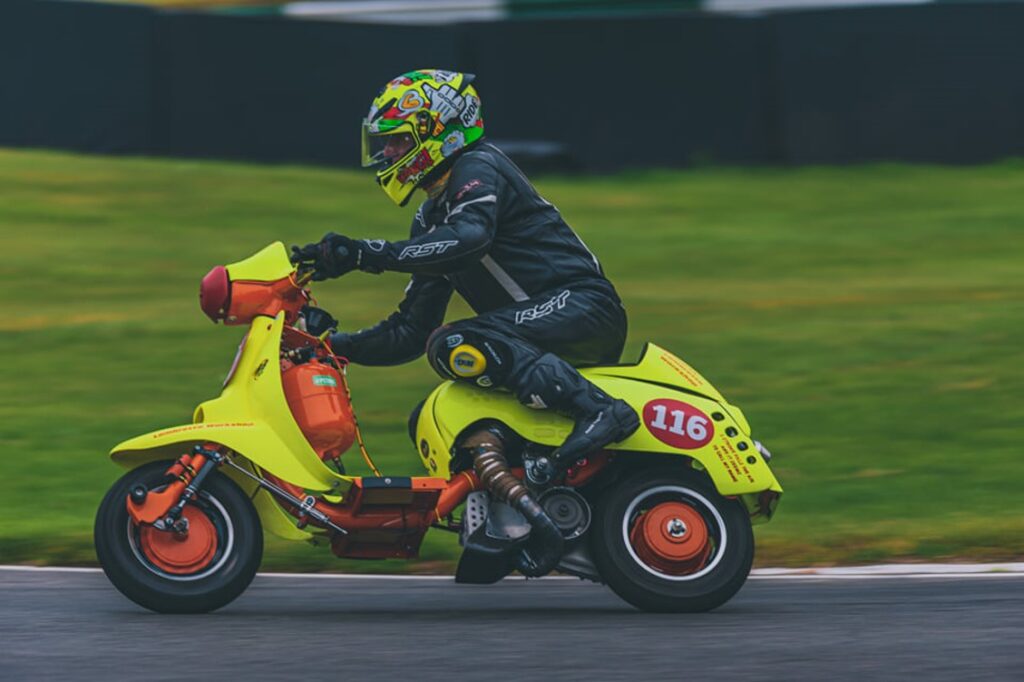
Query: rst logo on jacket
[557,302]
[428,249]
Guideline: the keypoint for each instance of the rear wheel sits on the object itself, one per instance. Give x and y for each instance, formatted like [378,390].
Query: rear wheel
[665,540]
[199,571]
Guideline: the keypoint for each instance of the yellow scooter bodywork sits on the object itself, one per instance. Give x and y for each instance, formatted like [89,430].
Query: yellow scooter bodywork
[733,463]
[251,417]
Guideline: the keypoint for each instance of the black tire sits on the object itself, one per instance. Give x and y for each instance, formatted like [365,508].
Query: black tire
[718,578]
[238,554]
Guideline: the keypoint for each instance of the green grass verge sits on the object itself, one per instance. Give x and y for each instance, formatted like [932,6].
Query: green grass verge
[868,320]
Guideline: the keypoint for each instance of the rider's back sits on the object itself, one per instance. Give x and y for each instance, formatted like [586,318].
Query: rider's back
[533,249]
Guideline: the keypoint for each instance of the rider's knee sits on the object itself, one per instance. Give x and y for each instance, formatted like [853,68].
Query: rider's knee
[464,353]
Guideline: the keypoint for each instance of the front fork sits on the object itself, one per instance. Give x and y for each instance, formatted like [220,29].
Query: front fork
[163,509]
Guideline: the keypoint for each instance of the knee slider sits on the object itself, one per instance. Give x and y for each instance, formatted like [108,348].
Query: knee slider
[465,355]
[467,361]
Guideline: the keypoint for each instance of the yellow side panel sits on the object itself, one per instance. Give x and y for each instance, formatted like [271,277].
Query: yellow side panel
[454,406]
[660,366]
[737,414]
[268,265]
[431,444]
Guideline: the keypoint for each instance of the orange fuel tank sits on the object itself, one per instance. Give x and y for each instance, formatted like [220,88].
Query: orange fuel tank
[320,406]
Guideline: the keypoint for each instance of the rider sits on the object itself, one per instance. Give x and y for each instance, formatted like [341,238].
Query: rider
[542,300]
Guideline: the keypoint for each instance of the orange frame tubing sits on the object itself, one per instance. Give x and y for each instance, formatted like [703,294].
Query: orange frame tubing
[455,494]
[451,496]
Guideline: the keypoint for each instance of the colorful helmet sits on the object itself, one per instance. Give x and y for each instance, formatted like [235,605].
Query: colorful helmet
[415,123]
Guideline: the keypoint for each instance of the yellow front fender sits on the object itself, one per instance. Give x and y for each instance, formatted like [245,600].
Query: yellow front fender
[257,442]
[172,443]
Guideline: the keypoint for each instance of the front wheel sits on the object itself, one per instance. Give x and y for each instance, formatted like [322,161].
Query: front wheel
[666,541]
[200,571]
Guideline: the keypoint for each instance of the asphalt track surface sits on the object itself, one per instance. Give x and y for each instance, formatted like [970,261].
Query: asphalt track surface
[75,626]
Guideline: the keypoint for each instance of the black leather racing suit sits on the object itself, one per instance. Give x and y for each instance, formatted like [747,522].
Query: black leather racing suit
[541,300]
[535,286]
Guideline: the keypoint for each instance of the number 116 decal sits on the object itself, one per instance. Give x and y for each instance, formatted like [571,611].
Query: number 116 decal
[678,424]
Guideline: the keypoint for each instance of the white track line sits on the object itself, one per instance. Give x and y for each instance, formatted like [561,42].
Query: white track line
[896,571]
[50,569]
[883,571]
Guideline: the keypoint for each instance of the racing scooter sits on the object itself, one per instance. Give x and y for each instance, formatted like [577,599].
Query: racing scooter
[664,517]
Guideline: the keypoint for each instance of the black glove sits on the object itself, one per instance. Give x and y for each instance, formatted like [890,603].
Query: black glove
[332,256]
[336,255]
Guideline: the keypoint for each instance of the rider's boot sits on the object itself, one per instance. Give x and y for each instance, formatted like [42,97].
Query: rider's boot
[551,382]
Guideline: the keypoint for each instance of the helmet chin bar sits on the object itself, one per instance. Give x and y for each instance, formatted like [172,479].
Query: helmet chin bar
[387,175]
[396,191]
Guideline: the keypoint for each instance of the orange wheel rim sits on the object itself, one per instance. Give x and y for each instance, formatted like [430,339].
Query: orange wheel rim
[181,554]
[672,537]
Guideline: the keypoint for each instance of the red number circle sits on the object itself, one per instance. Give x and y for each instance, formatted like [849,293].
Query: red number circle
[678,424]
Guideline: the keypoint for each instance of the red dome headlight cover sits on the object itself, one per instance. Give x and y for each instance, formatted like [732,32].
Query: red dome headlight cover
[215,294]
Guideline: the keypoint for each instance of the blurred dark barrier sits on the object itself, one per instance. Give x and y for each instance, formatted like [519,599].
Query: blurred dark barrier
[928,83]
[272,89]
[662,91]
[75,76]
[921,83]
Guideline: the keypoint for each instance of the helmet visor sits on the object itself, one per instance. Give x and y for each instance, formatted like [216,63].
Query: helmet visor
[384,150]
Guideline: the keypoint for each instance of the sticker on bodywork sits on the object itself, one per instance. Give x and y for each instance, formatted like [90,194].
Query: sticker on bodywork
[678,424]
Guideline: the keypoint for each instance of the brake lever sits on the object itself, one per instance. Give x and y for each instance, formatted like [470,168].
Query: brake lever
[304,274]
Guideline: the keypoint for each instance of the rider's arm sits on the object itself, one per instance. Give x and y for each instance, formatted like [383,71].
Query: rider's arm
[462,238]
[403,336]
